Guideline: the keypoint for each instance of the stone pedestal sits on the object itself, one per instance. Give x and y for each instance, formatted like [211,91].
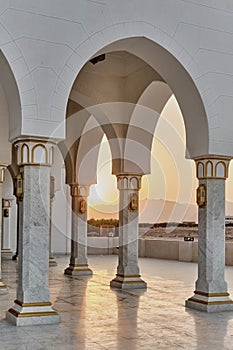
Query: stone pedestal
[33,306]
[6,206]
[78,261]
[211,293]
[128,275]
[52,261]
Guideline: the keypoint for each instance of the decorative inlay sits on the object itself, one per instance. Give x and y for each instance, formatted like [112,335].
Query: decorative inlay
[32,314]
[19,186]
[133,202]
[52,187]
[6,203]
[219,302]
[201,196]
[20,303]
[128,276]
[34,152]
[212,294]
[82,206]
[2,173]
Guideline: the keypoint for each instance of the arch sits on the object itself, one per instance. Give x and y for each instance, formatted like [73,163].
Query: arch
[200,170]
[25,153]
[80,151]
[76,123]
[221,170]
[10,87]
[209,169]
[168,64]
[40,154]
[140,134]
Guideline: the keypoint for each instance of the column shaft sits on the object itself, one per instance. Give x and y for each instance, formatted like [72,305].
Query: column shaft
[211,293]
[33,305]
[128,275]
[78,260]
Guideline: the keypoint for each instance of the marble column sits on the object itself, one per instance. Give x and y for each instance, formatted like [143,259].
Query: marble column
[52,261]
[6,205]
[3,287]
[78,260]
[128,275]
[211,292]
[32,305]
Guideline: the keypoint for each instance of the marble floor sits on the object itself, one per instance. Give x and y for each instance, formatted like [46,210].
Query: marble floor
[96,317]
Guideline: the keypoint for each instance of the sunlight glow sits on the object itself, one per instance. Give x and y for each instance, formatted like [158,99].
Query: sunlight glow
[172,176]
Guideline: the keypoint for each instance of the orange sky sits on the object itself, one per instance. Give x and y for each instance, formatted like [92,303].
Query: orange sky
[172,176]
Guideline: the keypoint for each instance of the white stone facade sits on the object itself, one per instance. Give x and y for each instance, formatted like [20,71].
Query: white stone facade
[56,105]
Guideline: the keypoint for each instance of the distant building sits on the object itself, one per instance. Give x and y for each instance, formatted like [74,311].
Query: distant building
[107,230]
[229,220]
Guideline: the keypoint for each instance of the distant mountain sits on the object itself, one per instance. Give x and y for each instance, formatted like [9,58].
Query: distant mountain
[155,210]
[161,210]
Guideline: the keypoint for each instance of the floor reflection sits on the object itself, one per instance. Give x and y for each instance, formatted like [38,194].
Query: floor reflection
[95,317]
[210,329]
[127,302]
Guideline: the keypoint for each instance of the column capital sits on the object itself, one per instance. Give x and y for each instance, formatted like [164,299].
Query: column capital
[129,182]
[2,173]
[79,190]
[32,151]
[212,167]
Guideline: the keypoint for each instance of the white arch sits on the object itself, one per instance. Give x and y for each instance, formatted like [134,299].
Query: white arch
[8,82]
[170,64]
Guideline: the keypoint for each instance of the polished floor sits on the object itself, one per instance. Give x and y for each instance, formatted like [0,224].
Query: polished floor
[98,318]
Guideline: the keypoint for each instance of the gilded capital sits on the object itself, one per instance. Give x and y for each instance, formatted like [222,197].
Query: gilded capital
[79,190]
[212,167]
[34,152]
[129,182]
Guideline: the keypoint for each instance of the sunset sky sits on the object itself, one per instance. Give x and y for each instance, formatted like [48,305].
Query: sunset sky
[172,176]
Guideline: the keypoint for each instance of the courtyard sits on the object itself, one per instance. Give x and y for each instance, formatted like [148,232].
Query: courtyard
[99,318]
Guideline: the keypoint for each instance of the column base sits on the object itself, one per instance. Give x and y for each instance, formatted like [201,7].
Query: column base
[78,270]
[6,253]
[3,287]
[128,282]
[52,261]
[210,302]
[29,314]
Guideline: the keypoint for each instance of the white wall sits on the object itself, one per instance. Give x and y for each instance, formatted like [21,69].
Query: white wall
[47,43]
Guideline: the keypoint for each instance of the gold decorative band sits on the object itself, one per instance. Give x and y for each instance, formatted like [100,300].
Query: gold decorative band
[3,286]
[127,282]
[220,302]
[212,294]
[36,165]
[32,314]
[128,276]
[20,303]
[77,265]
